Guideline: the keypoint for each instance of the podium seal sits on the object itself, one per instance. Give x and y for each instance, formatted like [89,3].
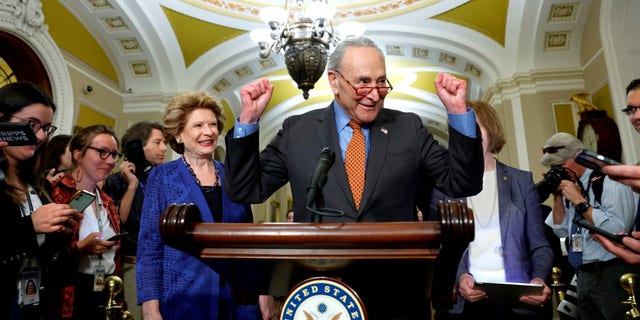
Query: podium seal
[322,298]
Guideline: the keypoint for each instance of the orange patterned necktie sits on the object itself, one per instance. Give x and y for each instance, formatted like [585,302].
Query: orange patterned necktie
[354,163]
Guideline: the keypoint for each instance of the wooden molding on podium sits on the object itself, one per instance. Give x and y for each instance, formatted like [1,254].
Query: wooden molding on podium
[181,227]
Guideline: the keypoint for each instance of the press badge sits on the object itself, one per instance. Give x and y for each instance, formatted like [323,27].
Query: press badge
[98,278]
[29,286]
[576,242]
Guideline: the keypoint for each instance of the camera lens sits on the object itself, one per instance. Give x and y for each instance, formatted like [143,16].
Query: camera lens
[551,182]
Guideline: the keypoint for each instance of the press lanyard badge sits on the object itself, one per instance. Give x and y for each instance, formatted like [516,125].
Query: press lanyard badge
[100,271]
[577,241]
[29,286]
[98,277]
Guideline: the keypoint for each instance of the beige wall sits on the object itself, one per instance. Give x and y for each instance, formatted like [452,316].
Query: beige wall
[538,110]
[104,99]
[101,99]
[591,42]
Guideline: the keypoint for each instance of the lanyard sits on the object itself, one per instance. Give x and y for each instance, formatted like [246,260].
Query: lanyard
[97,210]
[98,213]
[29,203]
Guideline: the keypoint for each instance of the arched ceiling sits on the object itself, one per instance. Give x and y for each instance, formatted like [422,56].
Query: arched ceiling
[152,48]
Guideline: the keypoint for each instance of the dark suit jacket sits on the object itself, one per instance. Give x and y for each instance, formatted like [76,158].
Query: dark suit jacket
[402,156]
[403,159]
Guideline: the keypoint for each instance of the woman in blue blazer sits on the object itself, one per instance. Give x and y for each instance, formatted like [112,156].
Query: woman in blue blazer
[172,284]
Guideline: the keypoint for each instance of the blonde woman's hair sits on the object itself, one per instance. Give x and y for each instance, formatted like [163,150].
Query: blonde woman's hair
[175,115]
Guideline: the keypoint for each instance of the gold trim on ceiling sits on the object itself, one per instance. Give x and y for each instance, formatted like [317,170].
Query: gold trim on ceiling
[470,15]
[98,5]
[565,12]
[72,35]
[358,10]
[196,37]
[557,41]
[114,24]
[140,69]
[129,45]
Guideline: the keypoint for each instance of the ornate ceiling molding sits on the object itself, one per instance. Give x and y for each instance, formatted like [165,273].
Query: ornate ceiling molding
[347,10]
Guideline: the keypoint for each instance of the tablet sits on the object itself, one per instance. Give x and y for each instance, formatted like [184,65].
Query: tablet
[508,292]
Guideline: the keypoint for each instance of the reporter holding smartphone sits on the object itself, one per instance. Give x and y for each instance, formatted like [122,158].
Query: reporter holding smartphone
[613,209]
[38,229]
[94,152]
[630,176]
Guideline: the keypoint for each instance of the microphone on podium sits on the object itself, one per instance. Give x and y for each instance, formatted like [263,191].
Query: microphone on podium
[326,159]
[319,177]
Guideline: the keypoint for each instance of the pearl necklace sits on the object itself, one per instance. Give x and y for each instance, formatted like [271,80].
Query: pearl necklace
[205,188]
[494,201]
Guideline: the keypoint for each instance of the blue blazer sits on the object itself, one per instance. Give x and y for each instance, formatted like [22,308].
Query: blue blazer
[187,287]
[526,252]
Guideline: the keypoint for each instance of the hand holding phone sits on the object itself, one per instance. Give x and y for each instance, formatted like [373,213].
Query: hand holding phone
[81,200]
[592,160]
[616,238]
[17,134]
[118,236]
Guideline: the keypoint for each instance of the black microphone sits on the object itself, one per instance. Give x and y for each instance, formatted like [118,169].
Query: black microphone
[319,178]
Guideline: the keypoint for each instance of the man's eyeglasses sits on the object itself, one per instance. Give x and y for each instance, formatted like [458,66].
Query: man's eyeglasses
[551,150]
[629,110]
[36,125]
[104,153]
[363,91]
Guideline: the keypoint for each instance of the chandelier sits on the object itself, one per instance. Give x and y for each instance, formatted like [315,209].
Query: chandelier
[304,35]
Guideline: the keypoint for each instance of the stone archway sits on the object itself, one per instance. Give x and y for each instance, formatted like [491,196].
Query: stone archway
[27,47]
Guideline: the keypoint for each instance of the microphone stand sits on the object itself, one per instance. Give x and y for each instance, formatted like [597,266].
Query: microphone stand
[314,191]
[319,213]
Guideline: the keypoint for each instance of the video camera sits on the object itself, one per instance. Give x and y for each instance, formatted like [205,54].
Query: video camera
[551,181]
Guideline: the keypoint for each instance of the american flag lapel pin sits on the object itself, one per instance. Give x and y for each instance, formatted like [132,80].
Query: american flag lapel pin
[384,130]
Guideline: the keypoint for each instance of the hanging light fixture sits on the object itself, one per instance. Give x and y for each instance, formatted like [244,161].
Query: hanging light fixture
[304,35]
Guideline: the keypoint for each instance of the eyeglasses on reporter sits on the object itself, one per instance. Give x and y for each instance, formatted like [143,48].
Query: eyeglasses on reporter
[629,110]
[363,91]
[36,125]
[104,153]
[552,149]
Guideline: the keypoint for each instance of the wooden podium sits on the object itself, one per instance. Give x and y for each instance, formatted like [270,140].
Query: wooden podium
[182,228]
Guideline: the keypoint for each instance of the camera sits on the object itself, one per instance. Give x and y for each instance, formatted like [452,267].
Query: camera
[551,181]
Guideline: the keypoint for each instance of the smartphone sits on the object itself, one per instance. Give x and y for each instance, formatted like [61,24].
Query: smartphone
[17,134]
[81,200]
[118,236]
[616,238]
[592,160]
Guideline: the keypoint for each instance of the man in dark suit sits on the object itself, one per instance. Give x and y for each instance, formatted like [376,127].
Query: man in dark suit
[401,155]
